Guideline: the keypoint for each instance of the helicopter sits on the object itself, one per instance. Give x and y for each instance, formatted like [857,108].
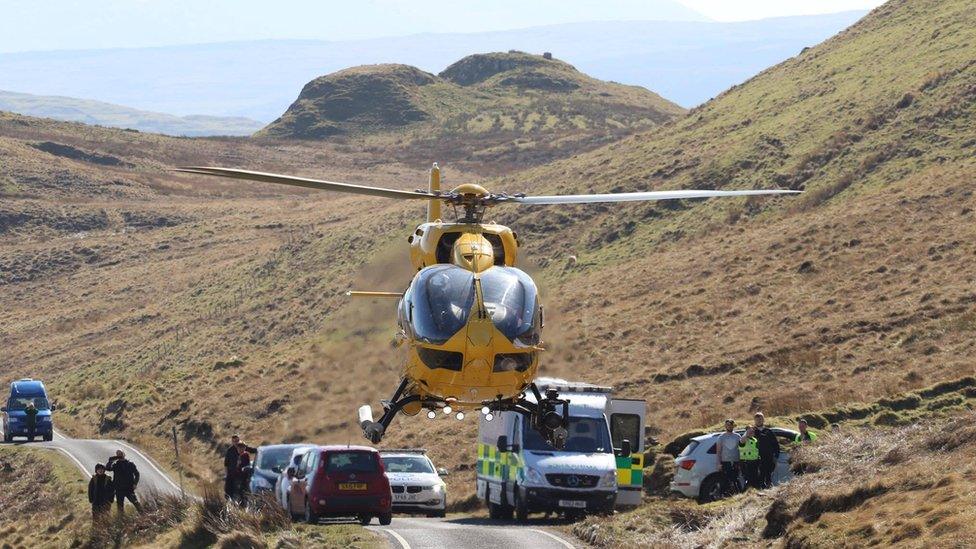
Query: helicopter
[471,319]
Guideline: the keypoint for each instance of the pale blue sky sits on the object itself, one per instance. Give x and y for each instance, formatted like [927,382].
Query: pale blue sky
[27,25]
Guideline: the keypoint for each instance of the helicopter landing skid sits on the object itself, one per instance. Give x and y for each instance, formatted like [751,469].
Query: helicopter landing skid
[541,414]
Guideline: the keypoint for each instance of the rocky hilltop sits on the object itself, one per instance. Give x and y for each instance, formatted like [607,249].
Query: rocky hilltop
[491,104]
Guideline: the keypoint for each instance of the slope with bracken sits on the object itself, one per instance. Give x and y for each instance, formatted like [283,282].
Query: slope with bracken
[503,107]
[232,320]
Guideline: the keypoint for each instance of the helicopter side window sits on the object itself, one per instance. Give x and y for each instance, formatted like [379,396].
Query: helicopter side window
[445,247]
[512,301]
[441,297]
[497,247]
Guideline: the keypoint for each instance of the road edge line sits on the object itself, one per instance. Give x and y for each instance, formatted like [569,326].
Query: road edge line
[73,458]
[400,539]
[553,536]
[151,464]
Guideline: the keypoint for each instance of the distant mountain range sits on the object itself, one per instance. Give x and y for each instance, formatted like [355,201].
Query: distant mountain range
[116,116]
[687,62]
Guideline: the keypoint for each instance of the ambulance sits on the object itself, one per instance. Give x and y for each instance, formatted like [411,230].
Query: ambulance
[600,467]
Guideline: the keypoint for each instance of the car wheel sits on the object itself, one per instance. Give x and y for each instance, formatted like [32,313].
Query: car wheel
[386,519]
[49,437]
[8,438]
[710,489]
[310,516]
[521,508]
[365,520]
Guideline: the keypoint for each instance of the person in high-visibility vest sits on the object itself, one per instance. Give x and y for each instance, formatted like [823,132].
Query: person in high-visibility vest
[749,458]
[804,436]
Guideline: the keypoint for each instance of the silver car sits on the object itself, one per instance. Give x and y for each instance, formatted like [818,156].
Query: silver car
[697,473]
[286,469]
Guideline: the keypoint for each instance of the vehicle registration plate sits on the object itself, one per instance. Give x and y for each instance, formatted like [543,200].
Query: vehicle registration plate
[575,504]
[404,497]
[352,485]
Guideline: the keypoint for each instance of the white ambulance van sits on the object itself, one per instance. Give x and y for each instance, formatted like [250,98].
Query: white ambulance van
[600,467]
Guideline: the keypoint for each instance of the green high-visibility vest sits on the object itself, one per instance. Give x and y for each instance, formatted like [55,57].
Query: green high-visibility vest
[799,437]
[750,450]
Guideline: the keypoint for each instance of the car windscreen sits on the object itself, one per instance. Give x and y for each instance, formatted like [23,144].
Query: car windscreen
[20,403]
[689,449]
[269,458]
[512,301]
[407,464]
[351,462]
[439,301]
[586,435]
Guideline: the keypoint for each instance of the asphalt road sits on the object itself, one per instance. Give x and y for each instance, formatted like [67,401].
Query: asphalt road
[473,533]
[85,453]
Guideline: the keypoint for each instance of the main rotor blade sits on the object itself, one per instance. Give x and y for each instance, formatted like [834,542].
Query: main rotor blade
[634,197]
[306,182]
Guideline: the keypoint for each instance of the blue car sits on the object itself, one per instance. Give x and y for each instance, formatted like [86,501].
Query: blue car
[22,393]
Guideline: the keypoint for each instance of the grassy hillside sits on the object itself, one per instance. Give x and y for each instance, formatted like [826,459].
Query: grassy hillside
[99,113]
[149,299]
[862,285]
[909,486]
[498,106]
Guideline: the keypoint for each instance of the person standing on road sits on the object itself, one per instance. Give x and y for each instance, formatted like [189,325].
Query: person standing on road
[749,457]
[231,466]
[804,436]
[727,451]
[126,479]
[30,420]
[768,447]
[101,492]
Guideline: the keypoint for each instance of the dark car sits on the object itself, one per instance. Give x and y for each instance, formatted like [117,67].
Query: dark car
[341,481]
[22,393]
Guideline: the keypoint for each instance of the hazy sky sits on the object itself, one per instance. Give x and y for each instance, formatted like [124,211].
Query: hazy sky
[81,24]
[743,10]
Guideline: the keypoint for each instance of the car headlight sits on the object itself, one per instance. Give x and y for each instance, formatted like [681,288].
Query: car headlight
[533,477]
[260,482]
[437,488]
[13,419]
[609,480]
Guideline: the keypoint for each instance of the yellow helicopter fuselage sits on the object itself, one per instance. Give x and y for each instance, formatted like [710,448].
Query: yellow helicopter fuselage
[470,319]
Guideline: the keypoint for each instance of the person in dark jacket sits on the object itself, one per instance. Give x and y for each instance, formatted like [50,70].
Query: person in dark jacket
[768,451]
[243,473]
[126,479]
[30,417]
[101,492]
[232,459]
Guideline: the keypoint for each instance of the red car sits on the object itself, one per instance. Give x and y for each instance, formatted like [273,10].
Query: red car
[341,481]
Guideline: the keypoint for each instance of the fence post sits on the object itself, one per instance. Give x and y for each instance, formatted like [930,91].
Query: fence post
[179,464]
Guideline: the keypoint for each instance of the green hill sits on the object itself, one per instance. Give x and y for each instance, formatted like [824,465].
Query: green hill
[71,109]
[489,105]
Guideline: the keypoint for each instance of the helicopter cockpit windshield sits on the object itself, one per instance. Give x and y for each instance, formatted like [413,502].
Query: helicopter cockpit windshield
[512,301]
[441,298]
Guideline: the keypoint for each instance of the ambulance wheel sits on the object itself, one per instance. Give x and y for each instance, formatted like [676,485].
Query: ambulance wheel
[521,509]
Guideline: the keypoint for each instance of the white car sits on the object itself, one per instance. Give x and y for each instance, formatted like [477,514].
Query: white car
[697,473]
[416,485]
[283,485]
